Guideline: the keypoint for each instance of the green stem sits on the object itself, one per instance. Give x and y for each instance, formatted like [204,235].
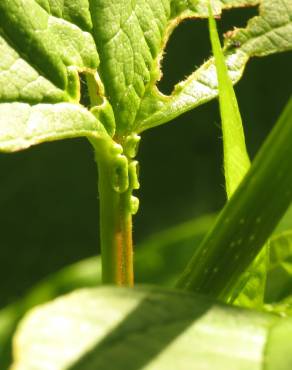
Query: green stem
[115,229]
[117,177]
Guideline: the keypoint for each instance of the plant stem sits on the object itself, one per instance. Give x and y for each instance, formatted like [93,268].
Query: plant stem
[115,230]
[117,177]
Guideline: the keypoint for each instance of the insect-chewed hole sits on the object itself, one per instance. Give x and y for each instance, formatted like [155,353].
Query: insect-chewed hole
[84,93]
[237,17]
[90,90]
[189,45]
[186,49]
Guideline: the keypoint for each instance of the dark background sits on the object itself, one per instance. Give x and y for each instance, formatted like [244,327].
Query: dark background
[48,197]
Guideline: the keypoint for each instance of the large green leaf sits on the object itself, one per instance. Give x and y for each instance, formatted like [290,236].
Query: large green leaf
[268,33]
[19,81]
[85,273]
[45,45]
[53,46]
[241,229]
[271,32]
[23,125]
[156,262]
[42,55]
[127,329]
[76,11]
[130,38]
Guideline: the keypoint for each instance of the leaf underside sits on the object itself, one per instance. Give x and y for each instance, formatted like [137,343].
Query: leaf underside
[153,259]
[45,45]
[127,329]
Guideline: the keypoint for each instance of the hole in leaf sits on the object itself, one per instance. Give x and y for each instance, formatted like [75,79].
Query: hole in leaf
[236,18]
[84,93]
[186,49]
[189,45]
[90,91]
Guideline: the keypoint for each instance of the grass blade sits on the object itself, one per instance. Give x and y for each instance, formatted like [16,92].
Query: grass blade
[248,218]
[236,160]
[250,289]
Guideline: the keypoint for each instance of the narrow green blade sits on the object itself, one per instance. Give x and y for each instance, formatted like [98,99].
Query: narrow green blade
[248,218]
[236,160]
[250,289]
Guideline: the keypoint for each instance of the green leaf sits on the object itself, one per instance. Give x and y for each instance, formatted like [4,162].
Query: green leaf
[278,348]
[251,287]
[20,81]
[43,49]
[42,54]
[22,125]
[86,273]
[242,229]
[130,38]
[46,44]
[236,160]
[110,328]
[50,44]
[116,328]
[268,33]
[76,11]
[156,262]
[200,87]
